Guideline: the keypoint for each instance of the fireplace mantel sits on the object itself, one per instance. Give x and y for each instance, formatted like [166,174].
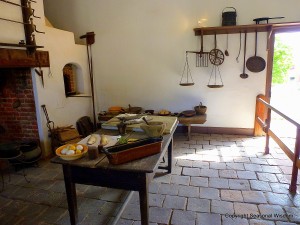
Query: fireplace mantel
[18,58]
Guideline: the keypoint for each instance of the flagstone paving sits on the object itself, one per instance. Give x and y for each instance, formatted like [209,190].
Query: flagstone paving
[216,179]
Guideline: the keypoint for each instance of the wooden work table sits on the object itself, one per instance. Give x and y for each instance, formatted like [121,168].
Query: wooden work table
[188,121]
[134,176]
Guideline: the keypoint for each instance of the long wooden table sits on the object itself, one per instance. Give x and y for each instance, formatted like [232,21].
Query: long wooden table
[133,176]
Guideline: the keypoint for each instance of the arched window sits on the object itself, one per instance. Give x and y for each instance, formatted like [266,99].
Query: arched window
[73,80]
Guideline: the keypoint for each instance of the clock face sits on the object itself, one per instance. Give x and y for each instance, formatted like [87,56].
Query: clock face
[216,57]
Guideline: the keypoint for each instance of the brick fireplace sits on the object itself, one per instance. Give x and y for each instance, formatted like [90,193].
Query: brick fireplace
[18,120]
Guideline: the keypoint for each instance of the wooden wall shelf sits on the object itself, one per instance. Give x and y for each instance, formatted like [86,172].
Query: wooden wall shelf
[233,29]
[289,26]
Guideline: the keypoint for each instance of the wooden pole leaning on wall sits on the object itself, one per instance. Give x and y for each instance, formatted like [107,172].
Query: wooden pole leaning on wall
[90,39]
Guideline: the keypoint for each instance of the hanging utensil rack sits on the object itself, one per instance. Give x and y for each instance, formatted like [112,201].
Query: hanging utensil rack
[186,77]
[29,27]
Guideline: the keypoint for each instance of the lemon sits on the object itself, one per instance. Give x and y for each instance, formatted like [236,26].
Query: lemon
[72,147]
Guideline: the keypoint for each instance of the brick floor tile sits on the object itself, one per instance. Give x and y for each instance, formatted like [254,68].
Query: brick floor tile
[217,165]
[253,167]
[235,166]
[162,178]
[159,215]
[271,169]
[227,220]
[124,222]
[296,199]
[215,182]
[260,161]
[249,175]
[286,169]
[131,212]
[272,212]
[254,197]
[180,217]
[168,189]
[156,200]
[183,162]
[199,181]
[188,191]
[176,170]
[231,195]
[202,142]
[286,179]
[242,159]
[270,177]
[198,205]
[245,208]
[176,179]
[293,213]
[200,164]
[174,202]
[211,158]
[195,172]
[261,222]
[279,199]
[280,188]
[209,173]
[209,193]
[153,187]
[208,219]
[284,223]
[239,184]
[228,173]
[222,207]
[260,185]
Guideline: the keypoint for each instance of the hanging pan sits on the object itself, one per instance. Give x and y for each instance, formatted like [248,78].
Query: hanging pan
[256,63]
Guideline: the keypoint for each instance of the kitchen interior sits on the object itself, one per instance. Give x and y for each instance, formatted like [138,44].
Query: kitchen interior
[64,60]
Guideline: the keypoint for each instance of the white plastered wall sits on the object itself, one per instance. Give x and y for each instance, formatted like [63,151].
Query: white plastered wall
[62,50]
[140,47]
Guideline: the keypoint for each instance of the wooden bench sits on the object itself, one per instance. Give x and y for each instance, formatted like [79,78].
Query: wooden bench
[188,121]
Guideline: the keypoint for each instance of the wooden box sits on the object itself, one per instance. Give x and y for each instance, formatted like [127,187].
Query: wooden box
[123,153]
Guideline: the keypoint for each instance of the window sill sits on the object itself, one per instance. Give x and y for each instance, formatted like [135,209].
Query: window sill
[79,95]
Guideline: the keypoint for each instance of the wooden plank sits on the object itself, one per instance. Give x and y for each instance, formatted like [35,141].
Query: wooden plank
[233,29]
[197,119]
[286,150]
[17,58]
[260,112]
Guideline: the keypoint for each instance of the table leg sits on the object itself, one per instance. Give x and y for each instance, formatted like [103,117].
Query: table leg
[170,150]
[71,195]
[144,201]
[189,132]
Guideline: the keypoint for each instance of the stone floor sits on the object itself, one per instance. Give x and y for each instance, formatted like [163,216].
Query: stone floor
[216,179]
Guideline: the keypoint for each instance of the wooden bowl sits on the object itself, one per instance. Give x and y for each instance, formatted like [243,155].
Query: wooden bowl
[189,113]
[71,157]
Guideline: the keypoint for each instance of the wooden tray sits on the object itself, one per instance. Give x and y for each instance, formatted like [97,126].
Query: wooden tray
[123,153]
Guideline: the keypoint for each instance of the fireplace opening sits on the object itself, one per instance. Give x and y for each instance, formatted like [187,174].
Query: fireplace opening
[18,120]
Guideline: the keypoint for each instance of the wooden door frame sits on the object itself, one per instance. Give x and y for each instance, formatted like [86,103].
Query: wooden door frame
[278,28]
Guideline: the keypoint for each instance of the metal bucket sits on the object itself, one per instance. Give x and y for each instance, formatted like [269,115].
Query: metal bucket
[229,17]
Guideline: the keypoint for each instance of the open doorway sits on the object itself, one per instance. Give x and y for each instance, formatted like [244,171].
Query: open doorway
[286,84]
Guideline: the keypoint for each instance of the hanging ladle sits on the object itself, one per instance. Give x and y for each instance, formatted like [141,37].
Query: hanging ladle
[226,51]
[244,75]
